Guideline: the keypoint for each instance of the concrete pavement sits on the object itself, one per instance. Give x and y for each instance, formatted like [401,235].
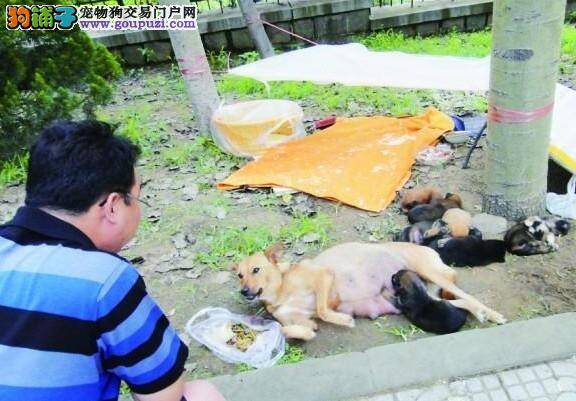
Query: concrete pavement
[426,366]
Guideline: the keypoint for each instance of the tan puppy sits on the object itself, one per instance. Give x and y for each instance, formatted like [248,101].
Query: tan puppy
[459,222]
[419,196]
[345,280]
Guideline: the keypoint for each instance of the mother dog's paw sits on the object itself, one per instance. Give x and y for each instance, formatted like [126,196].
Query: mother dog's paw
[348,321]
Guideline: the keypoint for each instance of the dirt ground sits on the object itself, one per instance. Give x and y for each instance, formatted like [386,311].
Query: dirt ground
[186,206]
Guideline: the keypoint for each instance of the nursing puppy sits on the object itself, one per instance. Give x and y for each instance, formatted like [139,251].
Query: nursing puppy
[344,280]
[418,196]
[415,233]
[435,209]
[431,315]
[535,235]
[469,251]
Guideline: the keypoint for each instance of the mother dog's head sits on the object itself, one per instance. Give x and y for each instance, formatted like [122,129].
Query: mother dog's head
[260,274]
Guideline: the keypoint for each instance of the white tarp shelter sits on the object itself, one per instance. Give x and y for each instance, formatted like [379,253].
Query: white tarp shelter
[354,65]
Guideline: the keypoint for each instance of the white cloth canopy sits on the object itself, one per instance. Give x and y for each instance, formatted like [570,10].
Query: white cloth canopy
[354,65]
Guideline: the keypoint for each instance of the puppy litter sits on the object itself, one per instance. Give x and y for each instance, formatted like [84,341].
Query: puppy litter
[235,338]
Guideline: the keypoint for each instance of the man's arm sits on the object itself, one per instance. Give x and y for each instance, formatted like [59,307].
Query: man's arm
[199,390]
[174,392]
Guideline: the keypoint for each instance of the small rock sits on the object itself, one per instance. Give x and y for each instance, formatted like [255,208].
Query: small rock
[167,257]
[194,273]
[171,312]
[221,175]
[190,367]
[299,249]
[191,239]
[219,212]
[490,225]
[312,237]
[179,241]
[154,216]
[189,192]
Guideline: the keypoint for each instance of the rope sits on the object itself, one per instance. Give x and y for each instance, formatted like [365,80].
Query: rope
[288,32]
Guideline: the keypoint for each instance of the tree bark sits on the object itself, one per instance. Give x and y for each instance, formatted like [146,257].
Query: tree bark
[196,72]
[255,28]
[525,57]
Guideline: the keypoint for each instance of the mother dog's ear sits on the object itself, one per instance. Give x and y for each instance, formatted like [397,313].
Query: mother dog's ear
[274,252]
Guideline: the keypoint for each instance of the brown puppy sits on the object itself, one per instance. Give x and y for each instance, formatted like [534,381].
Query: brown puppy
[418,196]
[435,209]
[347,279]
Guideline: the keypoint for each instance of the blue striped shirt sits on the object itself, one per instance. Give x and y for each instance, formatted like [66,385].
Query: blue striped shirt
[74,320]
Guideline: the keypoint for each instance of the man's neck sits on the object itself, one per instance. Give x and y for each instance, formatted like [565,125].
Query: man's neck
[72,219]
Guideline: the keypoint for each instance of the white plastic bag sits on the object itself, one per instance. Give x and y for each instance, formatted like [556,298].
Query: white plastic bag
[563,205]
[249,128]
[266,350]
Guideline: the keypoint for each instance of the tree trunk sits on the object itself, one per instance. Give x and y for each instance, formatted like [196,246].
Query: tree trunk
[195,70]
[256,29]
[525,56]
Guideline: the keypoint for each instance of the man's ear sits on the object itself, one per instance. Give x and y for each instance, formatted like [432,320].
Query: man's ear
[274,252]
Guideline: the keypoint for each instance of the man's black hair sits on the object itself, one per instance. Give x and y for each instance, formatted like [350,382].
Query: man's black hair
[74,163]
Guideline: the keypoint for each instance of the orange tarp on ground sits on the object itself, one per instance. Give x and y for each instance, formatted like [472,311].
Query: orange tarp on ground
[359,161]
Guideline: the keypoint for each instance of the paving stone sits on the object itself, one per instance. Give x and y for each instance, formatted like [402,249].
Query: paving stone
[509,378]
[491,382]
[551,386]
[526,375]
[409,395]
[567,397]
[458,388]
[542,399]
[499,395]
[457,398]
[562,369]
[480,397]
[381,397]
[543,371]
[436,393]
[567,384]
[535,389]
[517,393]
[474,385]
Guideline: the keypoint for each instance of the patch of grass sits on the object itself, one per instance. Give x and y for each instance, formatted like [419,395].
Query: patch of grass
[300,226]
[202,154]
[404,332]
[472,44]
[228,245]
[231,244]
[179,155]
[292,354]
[124,389]
[383,229]
[332,97]
[135,123]
[13,171]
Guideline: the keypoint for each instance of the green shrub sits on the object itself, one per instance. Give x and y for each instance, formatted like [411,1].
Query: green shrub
[46,75]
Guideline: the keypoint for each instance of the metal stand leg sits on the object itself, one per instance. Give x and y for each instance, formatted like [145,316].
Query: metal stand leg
[474,145]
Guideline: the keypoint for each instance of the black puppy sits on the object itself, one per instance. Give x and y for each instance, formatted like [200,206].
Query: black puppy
[535,235]
[435,316]
[435,209]
[414,233]
[469,251]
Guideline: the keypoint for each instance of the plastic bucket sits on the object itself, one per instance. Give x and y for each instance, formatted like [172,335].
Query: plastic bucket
[249,128]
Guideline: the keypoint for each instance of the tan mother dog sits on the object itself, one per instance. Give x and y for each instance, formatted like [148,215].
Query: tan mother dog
[344,281]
